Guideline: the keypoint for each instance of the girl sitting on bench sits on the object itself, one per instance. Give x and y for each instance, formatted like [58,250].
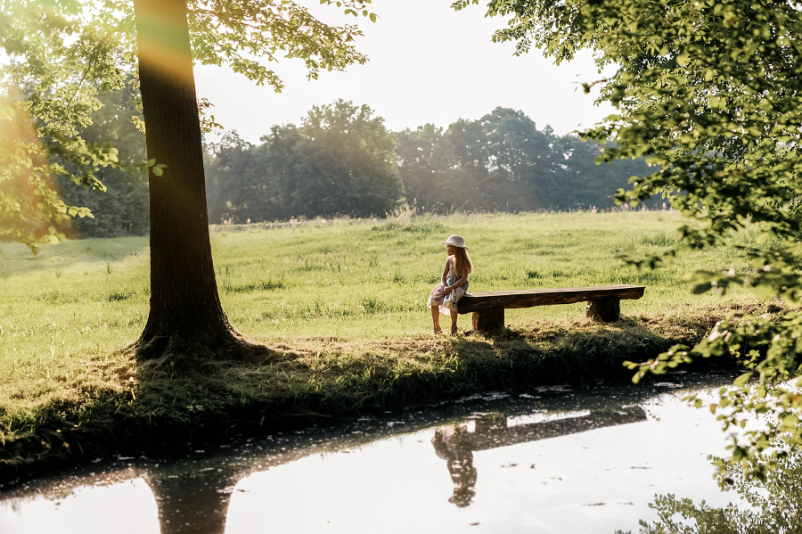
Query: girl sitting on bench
[453,283]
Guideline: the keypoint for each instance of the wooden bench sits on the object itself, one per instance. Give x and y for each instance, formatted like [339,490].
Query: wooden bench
[603,302]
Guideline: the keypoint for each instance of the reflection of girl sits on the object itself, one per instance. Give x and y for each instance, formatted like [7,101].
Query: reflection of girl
[450,444]
[453,283]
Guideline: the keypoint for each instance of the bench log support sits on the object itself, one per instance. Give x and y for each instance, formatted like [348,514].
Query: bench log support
[489,320]
[606,310]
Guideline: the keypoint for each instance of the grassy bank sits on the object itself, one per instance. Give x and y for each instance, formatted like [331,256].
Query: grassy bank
[342,307]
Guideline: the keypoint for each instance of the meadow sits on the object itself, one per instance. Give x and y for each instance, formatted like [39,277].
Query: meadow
[342,279]
[359,285]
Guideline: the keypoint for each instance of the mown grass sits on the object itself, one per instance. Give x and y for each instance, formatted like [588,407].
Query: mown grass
[342,306]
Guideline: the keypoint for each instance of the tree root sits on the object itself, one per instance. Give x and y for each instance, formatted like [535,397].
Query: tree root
[178,352]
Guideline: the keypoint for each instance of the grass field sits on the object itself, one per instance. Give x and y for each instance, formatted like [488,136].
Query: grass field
[65,313]
[358,281]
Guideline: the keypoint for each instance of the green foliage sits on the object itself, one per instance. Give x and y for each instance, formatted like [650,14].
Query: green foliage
[434,180]
[123,208]
[340,161]
[709,92]
[503,162]
[60,56]
[772,502]
[240,33]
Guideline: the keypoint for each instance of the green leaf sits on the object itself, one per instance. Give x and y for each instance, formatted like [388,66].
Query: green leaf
[743,379]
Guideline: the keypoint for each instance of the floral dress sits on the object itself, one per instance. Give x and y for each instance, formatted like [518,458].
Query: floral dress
[438,296]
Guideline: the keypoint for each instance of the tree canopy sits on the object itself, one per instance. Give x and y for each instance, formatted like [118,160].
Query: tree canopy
[61,55]
[710,92]
[122,209]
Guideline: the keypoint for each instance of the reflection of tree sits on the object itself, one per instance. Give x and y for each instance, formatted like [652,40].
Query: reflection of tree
[776,502]
[193,499]
[456,444]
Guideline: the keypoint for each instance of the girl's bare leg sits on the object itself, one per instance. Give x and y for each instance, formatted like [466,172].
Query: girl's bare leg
[453,322]
[436,319]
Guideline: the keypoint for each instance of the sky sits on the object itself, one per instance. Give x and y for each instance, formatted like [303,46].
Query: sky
[428,64]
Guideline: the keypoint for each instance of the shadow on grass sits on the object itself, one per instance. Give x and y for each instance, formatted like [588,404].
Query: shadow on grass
[581,352]
[17,259]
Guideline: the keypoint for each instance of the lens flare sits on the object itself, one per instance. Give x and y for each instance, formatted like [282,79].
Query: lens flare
[30,209]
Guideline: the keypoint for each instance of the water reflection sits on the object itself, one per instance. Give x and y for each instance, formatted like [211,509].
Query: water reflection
[456,444]
[194,497]
[451,444]
[119,507]
[770,506]
[293,482]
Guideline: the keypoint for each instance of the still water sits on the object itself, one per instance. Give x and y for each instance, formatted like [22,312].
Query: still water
[550,460]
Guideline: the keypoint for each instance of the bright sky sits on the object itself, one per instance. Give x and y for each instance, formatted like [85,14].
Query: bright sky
[428,63]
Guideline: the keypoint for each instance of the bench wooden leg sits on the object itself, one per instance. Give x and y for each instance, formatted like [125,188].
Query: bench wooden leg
[488,320]
[607,310]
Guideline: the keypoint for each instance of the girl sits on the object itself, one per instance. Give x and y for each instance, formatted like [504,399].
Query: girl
[453,283]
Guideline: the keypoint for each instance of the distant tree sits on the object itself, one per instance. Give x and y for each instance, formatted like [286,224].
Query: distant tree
[234,179]
[501,152]
[573,179]
[340,161]
[428,166]
[503,162]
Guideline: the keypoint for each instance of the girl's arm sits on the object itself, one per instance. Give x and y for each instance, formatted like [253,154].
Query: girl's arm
[445,275]
[459,283]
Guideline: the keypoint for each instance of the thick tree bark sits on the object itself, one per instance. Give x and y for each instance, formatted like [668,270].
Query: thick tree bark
[185,309]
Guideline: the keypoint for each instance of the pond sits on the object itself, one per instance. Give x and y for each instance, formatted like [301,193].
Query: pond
[552,460]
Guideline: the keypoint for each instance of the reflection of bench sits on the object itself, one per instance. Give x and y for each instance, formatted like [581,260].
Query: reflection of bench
[603,302]
[495,433]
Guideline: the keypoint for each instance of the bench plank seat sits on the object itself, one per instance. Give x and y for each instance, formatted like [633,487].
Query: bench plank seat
[603,302]
[529,298]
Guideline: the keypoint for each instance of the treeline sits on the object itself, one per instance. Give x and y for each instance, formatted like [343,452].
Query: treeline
[342,160]
[502,162]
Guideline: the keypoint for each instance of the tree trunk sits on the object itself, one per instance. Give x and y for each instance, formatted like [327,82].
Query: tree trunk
[185,309]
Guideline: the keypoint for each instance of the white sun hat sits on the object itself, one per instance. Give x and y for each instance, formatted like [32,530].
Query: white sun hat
[455,241]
